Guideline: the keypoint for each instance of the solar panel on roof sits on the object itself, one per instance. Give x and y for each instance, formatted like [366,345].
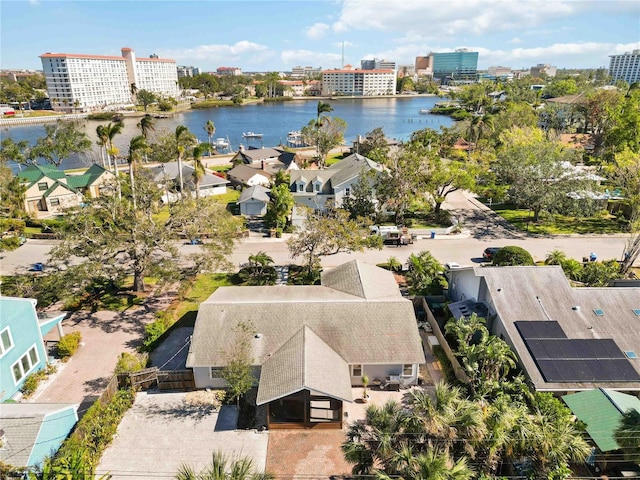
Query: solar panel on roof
[540,329]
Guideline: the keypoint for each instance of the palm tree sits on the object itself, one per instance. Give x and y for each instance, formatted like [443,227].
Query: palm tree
[627,434]
[223,468]
[181,133]
[210,128]
[136,146]
[321,108]
[102,142]
[433,465]
[555,257]
[198,168]
[146,126]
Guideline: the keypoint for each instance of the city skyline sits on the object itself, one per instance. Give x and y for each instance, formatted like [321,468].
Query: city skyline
[273,35]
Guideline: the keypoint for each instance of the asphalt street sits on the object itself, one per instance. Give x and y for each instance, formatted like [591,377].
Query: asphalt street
[481,229]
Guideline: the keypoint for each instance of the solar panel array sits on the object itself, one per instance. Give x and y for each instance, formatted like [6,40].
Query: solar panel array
[562,360]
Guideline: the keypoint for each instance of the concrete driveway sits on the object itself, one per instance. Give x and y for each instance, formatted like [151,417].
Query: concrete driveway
[161,432]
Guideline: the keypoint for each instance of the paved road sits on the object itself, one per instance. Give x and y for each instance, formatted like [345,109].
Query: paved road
[482,228]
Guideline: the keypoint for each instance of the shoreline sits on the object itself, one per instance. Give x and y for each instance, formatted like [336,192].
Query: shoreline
[22,121]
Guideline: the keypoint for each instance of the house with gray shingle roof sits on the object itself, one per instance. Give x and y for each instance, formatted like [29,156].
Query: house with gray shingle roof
[167,176]
[247,176]
[269,159]
[312,343]
[254,200]
[318,188]
[34,431]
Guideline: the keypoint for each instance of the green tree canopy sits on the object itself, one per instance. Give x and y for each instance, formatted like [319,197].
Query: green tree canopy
[512,255]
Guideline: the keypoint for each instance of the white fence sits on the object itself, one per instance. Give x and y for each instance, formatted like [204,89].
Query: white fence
[9,122]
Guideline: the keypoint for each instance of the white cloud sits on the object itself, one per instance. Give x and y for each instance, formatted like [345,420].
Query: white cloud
[34,2]
[317,31]
[219,54]
[515,40]
[307,57]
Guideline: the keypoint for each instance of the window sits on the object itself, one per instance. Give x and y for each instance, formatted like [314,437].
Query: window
[42,186]
[24,366]
[6,342]
[347,191]
[356,370]
[407,369]
[216,372]
[55,202]
[301,187]
[316,186]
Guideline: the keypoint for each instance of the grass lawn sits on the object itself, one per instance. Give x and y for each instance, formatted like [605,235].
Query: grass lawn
[204,285]
[560,224]
[231,196]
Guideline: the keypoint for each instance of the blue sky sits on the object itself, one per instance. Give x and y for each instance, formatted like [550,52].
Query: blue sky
[269,35]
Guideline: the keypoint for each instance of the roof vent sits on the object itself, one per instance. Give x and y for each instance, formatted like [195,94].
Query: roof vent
[258,335]
[575,307]
[636,311]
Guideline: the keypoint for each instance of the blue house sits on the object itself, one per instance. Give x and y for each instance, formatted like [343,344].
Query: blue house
[32,431]
[22,348]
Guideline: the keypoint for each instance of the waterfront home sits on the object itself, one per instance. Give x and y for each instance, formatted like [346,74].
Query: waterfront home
[167,177]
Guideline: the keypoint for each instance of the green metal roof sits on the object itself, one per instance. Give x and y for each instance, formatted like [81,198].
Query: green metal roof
[79,181]
[56,185]
[601,410]
[33,173]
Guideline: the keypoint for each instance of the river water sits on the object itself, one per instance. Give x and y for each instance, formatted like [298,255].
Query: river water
[398,117]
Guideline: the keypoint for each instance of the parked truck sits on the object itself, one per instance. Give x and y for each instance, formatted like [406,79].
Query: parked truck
[392,235]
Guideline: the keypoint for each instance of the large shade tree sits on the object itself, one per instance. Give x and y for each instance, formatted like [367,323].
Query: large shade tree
[62,139]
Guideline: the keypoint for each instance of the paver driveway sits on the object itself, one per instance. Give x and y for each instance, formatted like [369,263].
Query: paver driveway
[161,432]
[105,335]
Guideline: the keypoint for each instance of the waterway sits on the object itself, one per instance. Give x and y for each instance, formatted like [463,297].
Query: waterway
[398,117]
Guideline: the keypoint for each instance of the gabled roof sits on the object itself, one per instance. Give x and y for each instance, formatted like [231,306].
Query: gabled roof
[55,186]
[371,327]
[22,423]
[257,192]
[601,410]
[361,280]
[305,361]
[33,173]
[257,154]
[171,172]
[246,173]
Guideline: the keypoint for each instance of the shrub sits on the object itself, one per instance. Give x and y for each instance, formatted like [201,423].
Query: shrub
[95,430]
[131,362]
[69,345]
[32,381]
[512,255]
[154,330]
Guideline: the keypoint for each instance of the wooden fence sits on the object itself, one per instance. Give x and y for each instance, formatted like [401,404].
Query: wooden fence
[155,378]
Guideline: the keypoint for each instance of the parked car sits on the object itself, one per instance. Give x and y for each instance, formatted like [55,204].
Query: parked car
[489,253]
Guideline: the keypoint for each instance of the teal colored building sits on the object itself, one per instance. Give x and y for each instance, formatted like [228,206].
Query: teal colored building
[460,65]
[33,431]
[22,348]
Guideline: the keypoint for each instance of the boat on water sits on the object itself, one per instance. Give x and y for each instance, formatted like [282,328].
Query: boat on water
[252,135]
[424,111]
[221,143]
[294,139]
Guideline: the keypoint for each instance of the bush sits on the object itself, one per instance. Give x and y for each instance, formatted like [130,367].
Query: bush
[32,381]
[512,255]
[154,330]
[131,362]
[69,344]
[95,430]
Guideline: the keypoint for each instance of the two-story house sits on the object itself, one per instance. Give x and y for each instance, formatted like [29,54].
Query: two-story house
[317,189]
[22,348]
[49,189]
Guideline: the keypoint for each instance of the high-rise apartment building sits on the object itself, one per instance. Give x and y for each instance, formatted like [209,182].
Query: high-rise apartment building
[184,71]
[358,82]
[77,82]
[460,65]
[625,67]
